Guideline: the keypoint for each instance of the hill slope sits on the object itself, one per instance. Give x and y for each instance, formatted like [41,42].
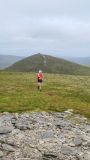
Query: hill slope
[8,60]
[80,60]
[49,64]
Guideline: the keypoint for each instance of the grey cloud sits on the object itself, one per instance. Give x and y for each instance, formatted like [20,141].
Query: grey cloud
[53,26]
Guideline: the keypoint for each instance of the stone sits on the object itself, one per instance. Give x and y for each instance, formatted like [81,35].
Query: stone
[22,126]
[1,154]
[86,156]
[5,130]
[69,111]
[67,150]
[8,147]
[88,128]
[49,156]
[77,141]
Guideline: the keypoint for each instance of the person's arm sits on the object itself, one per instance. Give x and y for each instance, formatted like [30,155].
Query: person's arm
[37,76]
[42,76]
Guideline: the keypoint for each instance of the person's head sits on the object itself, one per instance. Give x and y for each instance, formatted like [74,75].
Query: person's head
[40,71]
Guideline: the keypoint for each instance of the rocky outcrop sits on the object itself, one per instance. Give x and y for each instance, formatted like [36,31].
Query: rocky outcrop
[44,136]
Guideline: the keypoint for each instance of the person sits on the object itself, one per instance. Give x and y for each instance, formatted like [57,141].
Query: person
[40,79]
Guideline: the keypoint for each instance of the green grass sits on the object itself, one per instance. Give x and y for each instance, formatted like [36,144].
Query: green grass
[18,93]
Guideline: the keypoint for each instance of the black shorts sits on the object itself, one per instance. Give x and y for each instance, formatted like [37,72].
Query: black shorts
[40,80]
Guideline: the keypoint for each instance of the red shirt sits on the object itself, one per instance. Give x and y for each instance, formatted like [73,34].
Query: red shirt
[40,76]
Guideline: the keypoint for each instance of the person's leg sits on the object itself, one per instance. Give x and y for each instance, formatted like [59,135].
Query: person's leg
[39,86]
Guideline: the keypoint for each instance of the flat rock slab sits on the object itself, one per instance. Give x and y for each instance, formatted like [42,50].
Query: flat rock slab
[5,130]
[7,147]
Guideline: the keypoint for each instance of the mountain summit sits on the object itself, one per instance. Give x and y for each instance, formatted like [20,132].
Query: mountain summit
[48,64]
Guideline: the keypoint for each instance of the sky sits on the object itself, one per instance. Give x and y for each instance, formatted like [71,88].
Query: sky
[53,27]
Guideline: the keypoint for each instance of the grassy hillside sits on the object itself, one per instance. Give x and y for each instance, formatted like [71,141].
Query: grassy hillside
[8,60]
[18,93]
[49,64]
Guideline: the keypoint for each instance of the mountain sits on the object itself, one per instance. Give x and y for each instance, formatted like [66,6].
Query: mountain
[80,60]
[8,60]
[48,64]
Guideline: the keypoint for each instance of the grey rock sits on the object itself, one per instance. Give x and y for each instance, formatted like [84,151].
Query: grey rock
[67,150]
[86,156]
[1,154]
[47,134]
[87,143]
[5,130]
[77,141]
[8,147]
[63,124]
[22,126]
[88,128]
[49,156]
[14,120]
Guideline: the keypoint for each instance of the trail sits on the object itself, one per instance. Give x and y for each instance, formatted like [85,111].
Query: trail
[45,62]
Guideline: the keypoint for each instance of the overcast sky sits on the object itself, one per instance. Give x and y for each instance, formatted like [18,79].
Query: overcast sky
[55,27]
